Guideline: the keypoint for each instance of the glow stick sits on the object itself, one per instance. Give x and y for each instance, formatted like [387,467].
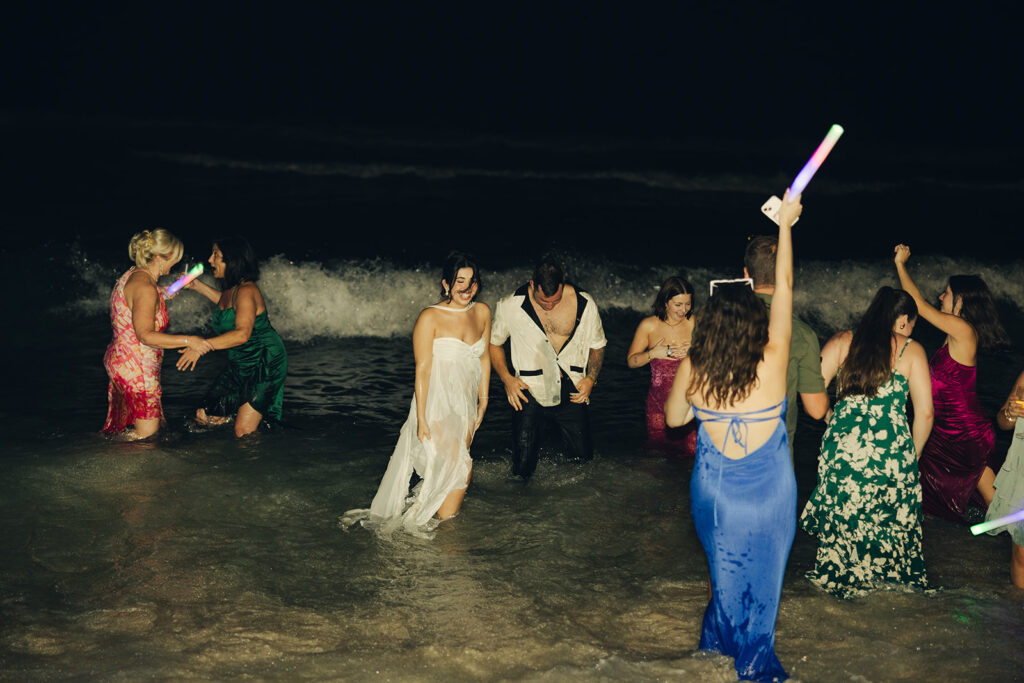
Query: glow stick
[816,160]
[996,523]
[196,271]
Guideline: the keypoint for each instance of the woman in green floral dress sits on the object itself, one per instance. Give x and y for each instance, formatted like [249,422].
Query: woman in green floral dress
[866,508]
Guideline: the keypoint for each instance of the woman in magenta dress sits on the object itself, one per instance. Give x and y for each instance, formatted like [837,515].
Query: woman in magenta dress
[954,465]
[138,316]
[662,340]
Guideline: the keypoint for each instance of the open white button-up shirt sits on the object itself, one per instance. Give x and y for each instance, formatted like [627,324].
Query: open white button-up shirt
[533,358]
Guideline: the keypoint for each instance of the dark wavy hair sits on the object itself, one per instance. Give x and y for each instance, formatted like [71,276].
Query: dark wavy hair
[673,287]
[729,336]
[455,262]
[240,262]
[979,309]
[869,362]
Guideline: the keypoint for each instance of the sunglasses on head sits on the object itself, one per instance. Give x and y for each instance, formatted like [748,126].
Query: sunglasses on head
[735,281]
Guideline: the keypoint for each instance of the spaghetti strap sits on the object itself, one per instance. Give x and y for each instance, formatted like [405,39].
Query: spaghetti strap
[905,345]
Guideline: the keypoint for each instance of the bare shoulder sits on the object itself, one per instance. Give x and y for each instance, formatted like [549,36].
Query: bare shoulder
[648,324]
[427,316]
[841,338]
[482,310]
[139,284]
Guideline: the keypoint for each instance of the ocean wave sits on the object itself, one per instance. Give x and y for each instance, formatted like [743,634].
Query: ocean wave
[311,300]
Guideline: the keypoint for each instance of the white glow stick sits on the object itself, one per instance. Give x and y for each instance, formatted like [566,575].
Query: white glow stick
[996,523]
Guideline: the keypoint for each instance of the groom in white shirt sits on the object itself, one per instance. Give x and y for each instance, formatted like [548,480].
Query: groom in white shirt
[557,351]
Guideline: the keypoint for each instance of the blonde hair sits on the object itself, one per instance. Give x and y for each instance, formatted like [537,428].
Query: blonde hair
[149,243]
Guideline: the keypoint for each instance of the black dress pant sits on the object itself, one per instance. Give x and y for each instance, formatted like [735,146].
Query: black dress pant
[572,420]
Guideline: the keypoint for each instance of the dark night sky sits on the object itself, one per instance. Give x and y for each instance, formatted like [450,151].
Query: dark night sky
[729,68]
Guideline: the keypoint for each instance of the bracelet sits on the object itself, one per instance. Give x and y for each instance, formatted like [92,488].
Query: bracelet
[649,357]
[1006,414]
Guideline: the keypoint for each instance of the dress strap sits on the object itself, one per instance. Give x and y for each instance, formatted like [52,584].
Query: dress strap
[905,345]
[738,430]
[739,423]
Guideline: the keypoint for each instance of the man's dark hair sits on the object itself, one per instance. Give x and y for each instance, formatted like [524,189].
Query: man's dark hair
[759,259]
[549,276]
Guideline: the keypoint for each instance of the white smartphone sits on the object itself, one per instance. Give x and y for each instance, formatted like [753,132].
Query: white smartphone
[771,209]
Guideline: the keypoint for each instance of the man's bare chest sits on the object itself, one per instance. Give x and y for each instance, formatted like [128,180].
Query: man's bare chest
[557,323]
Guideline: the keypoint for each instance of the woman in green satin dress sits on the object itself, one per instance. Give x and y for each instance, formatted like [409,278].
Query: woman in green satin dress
[253,382]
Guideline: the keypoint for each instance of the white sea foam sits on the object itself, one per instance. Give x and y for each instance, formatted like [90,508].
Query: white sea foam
[308,300]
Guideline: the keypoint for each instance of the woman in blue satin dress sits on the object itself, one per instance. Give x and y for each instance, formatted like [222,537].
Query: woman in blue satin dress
[743,492]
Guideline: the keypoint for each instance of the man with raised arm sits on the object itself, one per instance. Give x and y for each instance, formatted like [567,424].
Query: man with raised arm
[557,347]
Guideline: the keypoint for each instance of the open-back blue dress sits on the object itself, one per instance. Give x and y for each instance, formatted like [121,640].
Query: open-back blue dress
[745,513]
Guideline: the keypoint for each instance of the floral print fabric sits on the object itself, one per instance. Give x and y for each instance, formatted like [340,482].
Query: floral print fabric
[134,368]
[866,508]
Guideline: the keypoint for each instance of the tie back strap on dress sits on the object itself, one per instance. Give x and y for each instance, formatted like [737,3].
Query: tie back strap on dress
[739,430]
[738,427]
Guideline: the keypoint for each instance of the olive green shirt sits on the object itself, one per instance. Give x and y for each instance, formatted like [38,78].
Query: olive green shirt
[803,376]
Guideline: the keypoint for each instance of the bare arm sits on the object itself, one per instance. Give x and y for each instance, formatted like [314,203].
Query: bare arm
[678,410]
[485,374]
[921,396]
[1007,416]
[204,289]
[815,405]
[586,385]
[640,354]
[423,350]
[514,387]
[142,297]
[780,318]
[834,353]
[963,340]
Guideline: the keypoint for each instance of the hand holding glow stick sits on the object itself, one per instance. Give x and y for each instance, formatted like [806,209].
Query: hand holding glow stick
[816,160]
[996,523]
[191,275]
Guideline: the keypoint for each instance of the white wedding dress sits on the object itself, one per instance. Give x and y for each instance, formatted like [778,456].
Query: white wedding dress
[443,461]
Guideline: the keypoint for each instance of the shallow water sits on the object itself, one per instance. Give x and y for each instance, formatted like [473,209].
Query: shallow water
[200,556]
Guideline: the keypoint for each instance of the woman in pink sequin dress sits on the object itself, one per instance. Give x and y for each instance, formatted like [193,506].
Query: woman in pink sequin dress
[954,465]
[138,316]
[662,340]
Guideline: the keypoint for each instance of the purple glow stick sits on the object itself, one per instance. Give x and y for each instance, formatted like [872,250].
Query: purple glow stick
[815,162]
[196,271]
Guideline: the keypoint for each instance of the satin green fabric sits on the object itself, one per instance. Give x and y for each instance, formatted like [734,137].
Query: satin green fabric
[255,373]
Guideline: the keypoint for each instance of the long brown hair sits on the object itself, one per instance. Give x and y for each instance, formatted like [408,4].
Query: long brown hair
[729,336]
[869,362]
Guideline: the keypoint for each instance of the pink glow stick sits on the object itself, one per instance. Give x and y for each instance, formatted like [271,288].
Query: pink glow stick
[816,160]
[196,271]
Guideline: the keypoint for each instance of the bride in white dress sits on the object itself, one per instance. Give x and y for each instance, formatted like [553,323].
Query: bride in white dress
[453,372]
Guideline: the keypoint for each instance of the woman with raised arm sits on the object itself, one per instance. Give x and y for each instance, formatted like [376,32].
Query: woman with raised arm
[138,316]
[662,340]
[453,373]
[866,508]
[954,464]
[742,491]
[1009,483]
[251,387]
